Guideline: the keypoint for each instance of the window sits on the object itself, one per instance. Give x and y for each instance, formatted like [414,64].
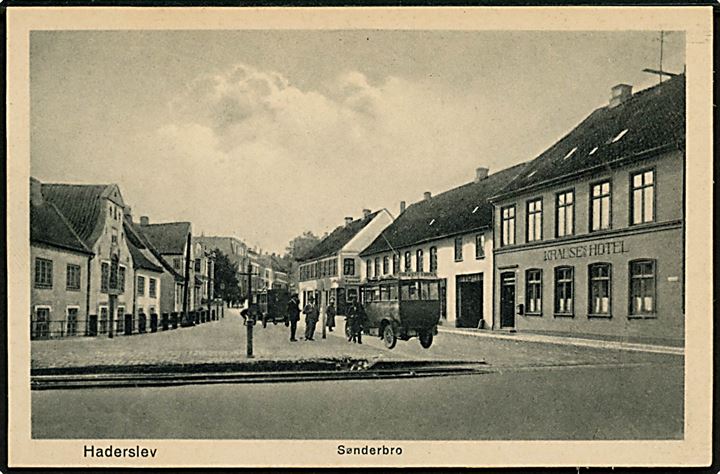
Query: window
[458,249]
[103,322]
[533,291]
[72,316]
[41,323]
[334,267]
[564,290]
[534,220]
[408,262]
[600,206]
[599,278]
[43,273]
[121,279]
[642,203]
[141,285]
[177,263]
[377,266]
[642,288]
[409,291]
[396,263]
[368,266]
[507,230]
[430,290]
[197,265]
[152,288]
[349,266]
[114,235]
[480,246]
[105,277]
[564,213]
[433,259]
[386,265]
[114,274]
[419,260]
[120,319]
[73,277]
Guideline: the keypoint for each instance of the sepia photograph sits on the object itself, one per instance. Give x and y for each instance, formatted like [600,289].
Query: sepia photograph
[361,235]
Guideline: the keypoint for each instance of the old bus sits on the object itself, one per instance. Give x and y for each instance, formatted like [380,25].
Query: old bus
[272,305]
[401,307]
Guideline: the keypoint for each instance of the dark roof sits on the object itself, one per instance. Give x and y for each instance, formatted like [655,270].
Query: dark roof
[80,204]
[140,260]
[48,226]
[456,211]
[337,239]
[168,238]
[137,238]
[654,119]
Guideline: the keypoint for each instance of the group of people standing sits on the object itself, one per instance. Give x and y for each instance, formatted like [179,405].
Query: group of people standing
[355,318]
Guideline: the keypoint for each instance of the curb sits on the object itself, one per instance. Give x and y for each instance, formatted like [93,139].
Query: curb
[571,341]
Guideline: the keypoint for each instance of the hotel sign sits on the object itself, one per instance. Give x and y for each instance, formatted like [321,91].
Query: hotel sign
[587,250]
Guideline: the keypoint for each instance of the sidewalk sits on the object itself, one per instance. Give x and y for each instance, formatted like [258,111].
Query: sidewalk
[577,341]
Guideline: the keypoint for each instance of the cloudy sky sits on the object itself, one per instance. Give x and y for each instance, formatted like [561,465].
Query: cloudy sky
[266,134]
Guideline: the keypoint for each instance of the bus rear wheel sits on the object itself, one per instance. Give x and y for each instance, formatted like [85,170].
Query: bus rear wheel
[389,336]
[426,339]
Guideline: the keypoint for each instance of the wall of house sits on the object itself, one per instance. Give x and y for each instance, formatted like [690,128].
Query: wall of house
[661,240]
[58,298]
[168,302]
[145,302]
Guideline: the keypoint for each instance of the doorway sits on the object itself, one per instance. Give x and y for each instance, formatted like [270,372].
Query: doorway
[507,300]
[469,300]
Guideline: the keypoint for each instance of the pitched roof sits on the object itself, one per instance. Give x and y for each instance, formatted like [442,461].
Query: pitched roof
[458,210]
[650,120]
[167,238]
[337,239]
[48,226]
[224,244]
[137,238]
[141,261]
[80,204]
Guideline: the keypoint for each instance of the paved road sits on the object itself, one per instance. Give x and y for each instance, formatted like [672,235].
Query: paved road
[592,402]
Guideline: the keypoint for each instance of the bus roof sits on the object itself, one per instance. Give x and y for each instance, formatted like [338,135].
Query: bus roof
[403,276]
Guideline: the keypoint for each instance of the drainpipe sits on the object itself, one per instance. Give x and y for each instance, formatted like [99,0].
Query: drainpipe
[186,290]
[87,296]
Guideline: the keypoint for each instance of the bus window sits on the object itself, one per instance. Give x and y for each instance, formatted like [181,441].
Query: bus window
[430,290]
[409,291]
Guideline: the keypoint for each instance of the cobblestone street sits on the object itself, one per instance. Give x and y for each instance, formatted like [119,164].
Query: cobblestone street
[224,341]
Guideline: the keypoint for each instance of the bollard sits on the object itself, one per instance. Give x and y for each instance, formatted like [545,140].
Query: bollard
[174,319]
[153,322]
[165,318]
[250,324]
[128,324]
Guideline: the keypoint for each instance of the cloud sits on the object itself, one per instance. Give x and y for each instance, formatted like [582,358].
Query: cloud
[288,160]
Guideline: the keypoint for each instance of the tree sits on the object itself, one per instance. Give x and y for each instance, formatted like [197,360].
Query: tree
[227,285]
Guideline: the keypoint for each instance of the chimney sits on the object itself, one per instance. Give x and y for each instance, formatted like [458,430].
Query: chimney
[366,212]
[619,94]
[427,195]
[480,174]
[144,220]
[348,220]
[402,207]
[36,197]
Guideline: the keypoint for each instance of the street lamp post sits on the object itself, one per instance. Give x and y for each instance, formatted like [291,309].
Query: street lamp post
[250,320]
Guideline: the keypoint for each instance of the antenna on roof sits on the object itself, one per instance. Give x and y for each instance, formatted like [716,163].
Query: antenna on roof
[660,71]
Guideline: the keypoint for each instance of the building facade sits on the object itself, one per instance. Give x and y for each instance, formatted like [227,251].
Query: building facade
[450,236]
[331,270]
[591,235]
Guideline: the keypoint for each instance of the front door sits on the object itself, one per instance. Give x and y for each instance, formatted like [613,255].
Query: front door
[507,300]
[470,300]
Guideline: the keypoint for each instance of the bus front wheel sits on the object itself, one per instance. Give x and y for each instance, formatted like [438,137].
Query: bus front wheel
[426,339]
[389,336]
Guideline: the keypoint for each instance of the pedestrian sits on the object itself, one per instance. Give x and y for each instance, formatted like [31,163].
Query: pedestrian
[311,318]
[330,313]
[354,322]
[293,316]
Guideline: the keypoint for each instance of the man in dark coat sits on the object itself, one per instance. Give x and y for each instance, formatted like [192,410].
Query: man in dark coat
[330,313]
[312,314]
[293,315]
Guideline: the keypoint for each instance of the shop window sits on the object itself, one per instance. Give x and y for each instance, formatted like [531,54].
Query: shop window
[480,246]
[507,229]
[43,273]
[534,220]
[73,277]
[600,203]
[533,291]
[565,214]
[433,259]
[458,249]
[564,289]
[408,261]
[349,266]
[642,202]
[419,264]
[141,285]
[600,288]
[643,281]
